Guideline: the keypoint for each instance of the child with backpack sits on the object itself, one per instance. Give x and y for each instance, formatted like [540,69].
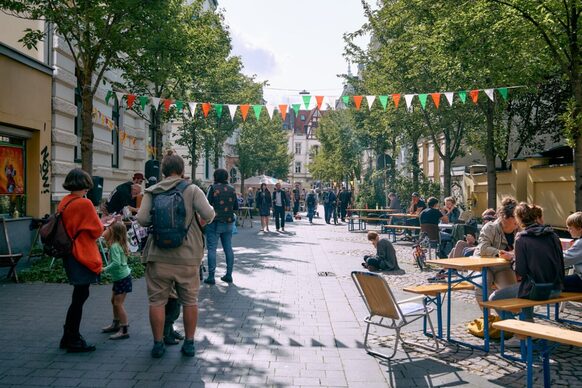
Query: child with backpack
[116,237]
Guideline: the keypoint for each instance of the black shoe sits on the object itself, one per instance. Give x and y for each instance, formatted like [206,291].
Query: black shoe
[226,278]
[188,348]
[158,350]
[210,281]
[170,340]
[79,345]
[177,335]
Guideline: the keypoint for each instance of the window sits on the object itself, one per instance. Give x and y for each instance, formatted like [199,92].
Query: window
[297,148]
[13,186]
[115,113]
[298,167]
[78,124]
[314,151]
[302,117]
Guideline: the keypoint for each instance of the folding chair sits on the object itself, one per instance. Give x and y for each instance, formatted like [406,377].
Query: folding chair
[432,235]
[10,259]
[382,305]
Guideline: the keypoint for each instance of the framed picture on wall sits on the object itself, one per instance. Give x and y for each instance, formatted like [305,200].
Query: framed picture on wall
[11,170]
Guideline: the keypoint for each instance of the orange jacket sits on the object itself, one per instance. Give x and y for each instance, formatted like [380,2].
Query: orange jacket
[81,220]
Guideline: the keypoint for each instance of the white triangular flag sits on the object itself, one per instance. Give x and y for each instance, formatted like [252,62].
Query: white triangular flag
[232,110]
[449,96]
[270,109]
[489,93]
[330,102]
[370,100]
[156,102]
[408,98]
[119,97]
[192,106]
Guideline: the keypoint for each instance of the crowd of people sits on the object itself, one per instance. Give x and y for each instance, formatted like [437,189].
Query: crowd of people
[515,232]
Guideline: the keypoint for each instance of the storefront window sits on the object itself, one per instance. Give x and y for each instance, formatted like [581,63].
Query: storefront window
[12,176]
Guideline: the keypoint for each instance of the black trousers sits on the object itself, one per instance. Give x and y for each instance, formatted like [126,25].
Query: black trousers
[172,313]
[279,214]
[343,211]
[295,208]
[75,312]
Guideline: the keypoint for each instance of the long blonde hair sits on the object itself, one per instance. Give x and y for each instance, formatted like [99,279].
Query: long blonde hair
[118,234]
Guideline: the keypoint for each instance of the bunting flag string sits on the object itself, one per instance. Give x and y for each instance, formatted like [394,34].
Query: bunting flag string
[110,124]
[299,102]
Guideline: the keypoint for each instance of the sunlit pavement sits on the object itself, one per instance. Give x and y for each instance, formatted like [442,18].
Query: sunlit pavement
[279,324]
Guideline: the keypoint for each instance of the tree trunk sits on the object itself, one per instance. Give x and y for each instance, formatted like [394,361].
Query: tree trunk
[415,167]
[242,187]
[490,158]
[87,119]
[447,162]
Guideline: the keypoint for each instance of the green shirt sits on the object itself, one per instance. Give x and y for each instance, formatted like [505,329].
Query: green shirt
[117,268]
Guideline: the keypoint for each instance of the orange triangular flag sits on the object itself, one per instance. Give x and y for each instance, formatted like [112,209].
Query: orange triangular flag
[358,101]
[396,98]
[244,111]
[283,111]
[319,100]
[474,95]
[130,100]
[167,103]
[205,109]
[436,98]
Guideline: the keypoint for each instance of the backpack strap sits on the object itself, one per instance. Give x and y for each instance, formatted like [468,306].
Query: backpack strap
[182,186]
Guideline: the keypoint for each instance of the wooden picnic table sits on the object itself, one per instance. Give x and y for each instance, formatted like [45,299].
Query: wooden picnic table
[473,264]
[374,210]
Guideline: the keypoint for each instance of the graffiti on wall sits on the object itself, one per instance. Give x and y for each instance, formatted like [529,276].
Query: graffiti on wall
[44,170]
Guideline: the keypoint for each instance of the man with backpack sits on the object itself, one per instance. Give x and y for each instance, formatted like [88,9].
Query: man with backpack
[174,249]
[222,197]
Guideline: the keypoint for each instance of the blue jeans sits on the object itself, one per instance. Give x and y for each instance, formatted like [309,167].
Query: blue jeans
[512,292]
[214,231]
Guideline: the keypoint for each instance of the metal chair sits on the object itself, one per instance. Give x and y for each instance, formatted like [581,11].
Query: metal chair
[431,235]
[10,259]
[382,305]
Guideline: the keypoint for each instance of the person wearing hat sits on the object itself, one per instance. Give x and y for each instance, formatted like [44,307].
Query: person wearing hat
[126,194]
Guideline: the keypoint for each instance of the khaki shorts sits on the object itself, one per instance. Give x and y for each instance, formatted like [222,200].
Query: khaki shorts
[161,278]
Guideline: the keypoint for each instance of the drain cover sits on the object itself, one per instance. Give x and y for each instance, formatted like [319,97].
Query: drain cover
[326,273]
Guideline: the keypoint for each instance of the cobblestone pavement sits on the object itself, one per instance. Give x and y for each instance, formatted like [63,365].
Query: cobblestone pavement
[280,324]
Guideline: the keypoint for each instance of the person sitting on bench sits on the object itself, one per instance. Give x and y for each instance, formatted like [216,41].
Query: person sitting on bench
[385,258]
[573,256]
[538,260]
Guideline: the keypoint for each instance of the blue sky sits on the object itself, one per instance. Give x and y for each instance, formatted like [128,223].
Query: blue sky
[293,44]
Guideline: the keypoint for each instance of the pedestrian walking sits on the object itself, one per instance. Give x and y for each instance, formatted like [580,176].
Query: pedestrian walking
[84,264]
[116,237]
[174,255]
[280,204]
[296,199]
[263,203]
[223,199]
[311,203]
[345,200]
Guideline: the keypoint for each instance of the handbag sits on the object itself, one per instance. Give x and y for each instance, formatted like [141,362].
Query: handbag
[540,291]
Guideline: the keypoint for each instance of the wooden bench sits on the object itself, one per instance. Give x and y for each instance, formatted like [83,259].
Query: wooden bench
[544,333]
[433,294]
[515,305]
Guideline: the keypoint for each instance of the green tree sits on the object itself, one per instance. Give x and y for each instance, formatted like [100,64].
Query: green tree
[558,25]
[262,148]
[98,35]
[177,61]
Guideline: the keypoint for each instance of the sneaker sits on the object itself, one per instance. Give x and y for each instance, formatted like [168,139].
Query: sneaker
[79,345]
[282,229]
[277,230]
[226,278]
[119,335]
[114,327]
[210,281]
[188,348]
[158,350]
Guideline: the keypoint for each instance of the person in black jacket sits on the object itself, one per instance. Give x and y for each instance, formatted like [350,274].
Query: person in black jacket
[385,258]
[538,257]
[280,204]
[263,204]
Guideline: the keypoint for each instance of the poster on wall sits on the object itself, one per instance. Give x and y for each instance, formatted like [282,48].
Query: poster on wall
[11,170]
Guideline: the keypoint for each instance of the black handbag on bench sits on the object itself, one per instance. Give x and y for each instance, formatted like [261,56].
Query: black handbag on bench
[541,291]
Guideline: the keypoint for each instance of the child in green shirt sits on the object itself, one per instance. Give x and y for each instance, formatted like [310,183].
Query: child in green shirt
[116,237]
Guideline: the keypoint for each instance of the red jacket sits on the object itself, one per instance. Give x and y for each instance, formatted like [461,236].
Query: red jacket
[81,220]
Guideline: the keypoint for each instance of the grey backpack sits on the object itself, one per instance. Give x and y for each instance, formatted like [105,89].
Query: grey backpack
[169,228]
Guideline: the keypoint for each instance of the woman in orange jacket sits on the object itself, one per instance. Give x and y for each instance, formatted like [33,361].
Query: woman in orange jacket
[84,265]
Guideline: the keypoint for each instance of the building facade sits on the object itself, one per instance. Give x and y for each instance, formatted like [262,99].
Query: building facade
[302,143]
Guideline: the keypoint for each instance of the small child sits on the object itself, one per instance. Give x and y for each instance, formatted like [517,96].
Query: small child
[573,256]
[116,237]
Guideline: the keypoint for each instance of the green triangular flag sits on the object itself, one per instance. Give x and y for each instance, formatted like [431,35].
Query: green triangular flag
[143,101]
[422,98]
[218,109]
[296,108]
[257,109]
[504,92]
[346,100]
[179,105]
[383,101]
[463,96]
[306,101]
[108,96]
